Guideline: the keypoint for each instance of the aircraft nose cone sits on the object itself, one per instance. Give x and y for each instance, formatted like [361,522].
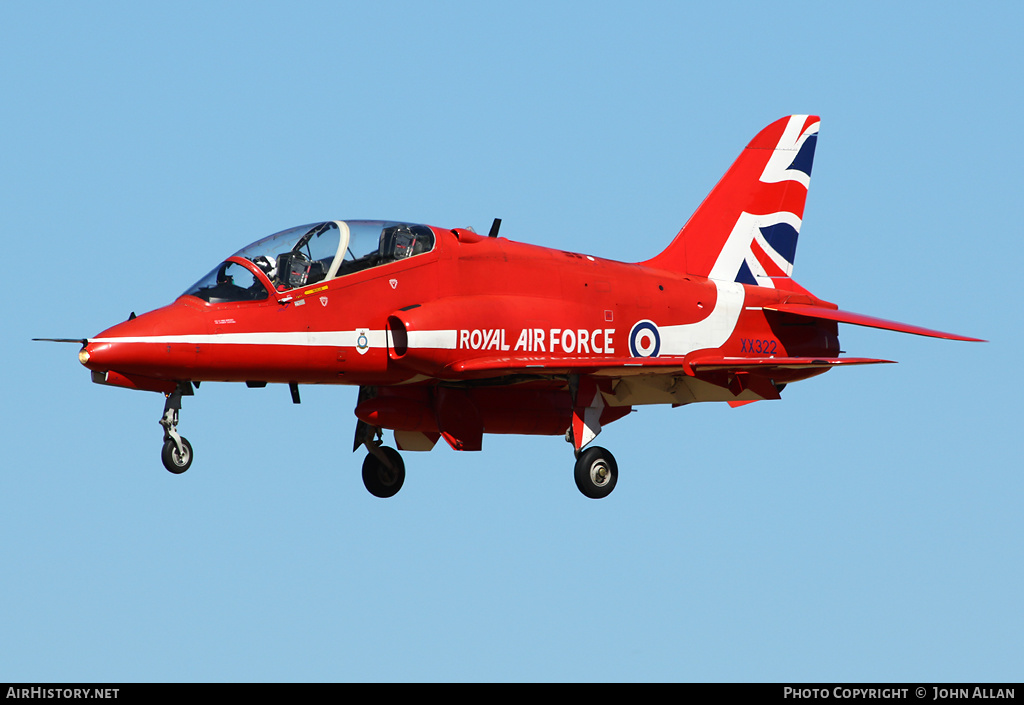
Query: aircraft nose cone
[111,349]
[100,357]
[145,345]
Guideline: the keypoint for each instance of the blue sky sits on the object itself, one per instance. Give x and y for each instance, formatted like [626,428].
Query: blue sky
[865,528]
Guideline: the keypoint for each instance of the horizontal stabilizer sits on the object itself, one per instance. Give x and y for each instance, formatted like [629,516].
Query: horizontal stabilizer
[857,319]
[751,364]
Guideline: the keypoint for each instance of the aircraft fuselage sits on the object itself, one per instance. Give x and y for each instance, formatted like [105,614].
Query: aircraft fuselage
[469,299]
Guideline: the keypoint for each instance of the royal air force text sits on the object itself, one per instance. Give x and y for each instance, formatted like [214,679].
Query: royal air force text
[581,341]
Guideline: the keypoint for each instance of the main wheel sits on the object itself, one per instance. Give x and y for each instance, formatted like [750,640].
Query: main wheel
[380,480]
[174,461]
[596,472]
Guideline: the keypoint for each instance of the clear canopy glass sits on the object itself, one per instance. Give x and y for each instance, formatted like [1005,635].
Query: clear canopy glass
[230,281]
[308,254]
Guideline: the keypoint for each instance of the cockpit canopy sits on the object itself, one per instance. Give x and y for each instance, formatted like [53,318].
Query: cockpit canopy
[312,253]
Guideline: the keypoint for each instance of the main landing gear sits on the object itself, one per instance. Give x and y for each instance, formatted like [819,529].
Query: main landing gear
[596,472]
[383,471]
[383,467]
[177,451]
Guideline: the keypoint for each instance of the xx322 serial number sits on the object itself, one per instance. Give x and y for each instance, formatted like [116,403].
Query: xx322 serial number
[759,346]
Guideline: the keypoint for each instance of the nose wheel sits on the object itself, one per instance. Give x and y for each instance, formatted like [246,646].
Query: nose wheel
[176,453]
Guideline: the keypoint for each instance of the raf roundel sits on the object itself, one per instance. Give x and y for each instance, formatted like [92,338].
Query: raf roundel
[644,339]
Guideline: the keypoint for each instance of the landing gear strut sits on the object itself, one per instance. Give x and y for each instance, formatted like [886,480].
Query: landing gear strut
[177,451]
[596,472]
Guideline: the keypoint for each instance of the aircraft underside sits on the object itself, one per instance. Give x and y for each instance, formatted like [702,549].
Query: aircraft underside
[459,413]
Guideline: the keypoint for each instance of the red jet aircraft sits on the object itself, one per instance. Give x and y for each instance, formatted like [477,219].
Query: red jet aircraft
[450,334]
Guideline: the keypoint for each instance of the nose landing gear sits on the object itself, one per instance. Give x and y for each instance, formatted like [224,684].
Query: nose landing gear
[177,451]
[177,455]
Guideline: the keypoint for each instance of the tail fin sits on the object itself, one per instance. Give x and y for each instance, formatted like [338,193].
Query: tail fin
[747,227]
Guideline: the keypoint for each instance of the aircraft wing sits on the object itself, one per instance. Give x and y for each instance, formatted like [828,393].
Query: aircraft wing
[629,366]
[551,365]
[858,319]
[736,374]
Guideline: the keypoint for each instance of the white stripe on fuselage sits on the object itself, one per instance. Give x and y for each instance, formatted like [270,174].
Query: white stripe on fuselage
[433,339]
[425,339]
[713,331]
[305,338]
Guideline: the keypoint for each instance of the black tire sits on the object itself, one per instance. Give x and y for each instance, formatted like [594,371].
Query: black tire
[380,480]
[173,460]
[596,473]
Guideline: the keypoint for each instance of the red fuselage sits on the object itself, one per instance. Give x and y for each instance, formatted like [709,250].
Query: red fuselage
[451,334]
[469,300]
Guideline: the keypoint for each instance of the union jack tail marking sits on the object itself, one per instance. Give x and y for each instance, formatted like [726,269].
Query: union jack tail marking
[746,229]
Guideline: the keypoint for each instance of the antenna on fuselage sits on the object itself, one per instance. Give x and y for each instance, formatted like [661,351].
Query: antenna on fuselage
[494,228]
